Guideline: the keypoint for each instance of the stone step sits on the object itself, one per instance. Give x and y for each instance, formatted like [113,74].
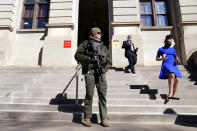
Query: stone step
[153,94]
[109,96]
[65,78]
[143,109]
[5,100]
[21,81]
[62,69]
[5,93]
[110,83]
[109,75]
[116,90]
[31,84]
[28,97]
[54,86]
[48,76]
[59,101]
[78,117]
[12,86]
[12,89]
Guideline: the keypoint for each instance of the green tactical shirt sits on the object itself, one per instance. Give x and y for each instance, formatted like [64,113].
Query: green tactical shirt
[85,59]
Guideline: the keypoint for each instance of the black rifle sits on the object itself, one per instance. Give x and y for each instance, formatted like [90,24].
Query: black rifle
[98,67]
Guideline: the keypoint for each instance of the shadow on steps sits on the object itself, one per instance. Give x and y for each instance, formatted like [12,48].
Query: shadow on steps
[145,89]
[192,70]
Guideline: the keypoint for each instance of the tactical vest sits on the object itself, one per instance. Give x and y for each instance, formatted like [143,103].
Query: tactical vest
[94,48]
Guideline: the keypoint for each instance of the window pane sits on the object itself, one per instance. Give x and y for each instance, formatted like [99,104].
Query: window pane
[161,7]
[162,20]
[30,1]
[146,8]
[42,22]
[29,11]
[43,10]
[146,21]
[27,23]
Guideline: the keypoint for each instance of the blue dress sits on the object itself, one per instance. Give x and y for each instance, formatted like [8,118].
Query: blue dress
[168,65]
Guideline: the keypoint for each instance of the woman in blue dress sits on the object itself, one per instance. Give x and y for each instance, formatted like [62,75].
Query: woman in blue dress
[169,69]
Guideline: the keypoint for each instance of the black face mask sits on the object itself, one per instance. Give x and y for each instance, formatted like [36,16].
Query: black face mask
[168,44]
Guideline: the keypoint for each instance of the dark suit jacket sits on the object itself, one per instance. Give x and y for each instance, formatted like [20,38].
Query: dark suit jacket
[127,48]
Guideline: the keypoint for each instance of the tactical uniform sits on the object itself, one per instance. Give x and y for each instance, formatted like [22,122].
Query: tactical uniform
[84,54]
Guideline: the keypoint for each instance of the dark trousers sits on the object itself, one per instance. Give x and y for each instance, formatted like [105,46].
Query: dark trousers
[93,80]
[132,58]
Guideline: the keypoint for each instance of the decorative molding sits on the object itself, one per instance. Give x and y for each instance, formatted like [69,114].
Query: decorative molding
[31,30]
[66,1]
[156,28]
[189,22]
[7,4]
[125,15]
[6,27]
[61,25]
[117,24]
[124,7]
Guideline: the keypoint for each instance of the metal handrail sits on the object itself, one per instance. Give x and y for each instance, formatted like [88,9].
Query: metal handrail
[77,82]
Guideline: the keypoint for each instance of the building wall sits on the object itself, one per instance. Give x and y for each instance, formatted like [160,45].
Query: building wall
[126,20]
[189,21]
[21,47]
[63,25]
[7,10]
[24,47]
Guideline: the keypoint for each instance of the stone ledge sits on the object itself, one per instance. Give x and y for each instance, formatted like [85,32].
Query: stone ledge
[31,30]
[64,1]
[189,22]
[8,4]
[117,24]
[156,28]
[6,27]
[61,25]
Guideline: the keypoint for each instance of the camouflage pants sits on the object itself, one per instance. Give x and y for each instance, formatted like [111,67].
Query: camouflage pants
[91,81]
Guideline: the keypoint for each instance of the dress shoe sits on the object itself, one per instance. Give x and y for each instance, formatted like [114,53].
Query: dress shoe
[133,72]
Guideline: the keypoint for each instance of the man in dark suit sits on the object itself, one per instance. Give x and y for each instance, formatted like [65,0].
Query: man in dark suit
[130,54]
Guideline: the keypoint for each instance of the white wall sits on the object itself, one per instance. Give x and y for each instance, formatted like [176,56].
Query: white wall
[19,48]
[189,20]
[7,8]
[63,12]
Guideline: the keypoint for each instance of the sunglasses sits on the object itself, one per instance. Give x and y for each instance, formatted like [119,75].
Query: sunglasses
[99,33]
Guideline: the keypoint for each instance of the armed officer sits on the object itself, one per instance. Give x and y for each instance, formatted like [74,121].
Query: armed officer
[94,58]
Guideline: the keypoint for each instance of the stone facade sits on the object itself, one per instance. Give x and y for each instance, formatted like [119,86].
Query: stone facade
[27,47]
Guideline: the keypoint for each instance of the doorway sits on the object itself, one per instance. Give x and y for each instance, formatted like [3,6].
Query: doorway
[93,13]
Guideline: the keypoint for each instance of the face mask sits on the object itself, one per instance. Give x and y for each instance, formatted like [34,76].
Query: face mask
[129,39]
[168,44]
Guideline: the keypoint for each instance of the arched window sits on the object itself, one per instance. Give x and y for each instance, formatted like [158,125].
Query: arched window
[35,14]
[154,13]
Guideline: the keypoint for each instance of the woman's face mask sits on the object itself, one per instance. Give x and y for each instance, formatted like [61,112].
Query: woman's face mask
[169,43]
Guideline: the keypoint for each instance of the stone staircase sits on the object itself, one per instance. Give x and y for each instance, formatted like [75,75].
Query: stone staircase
[35,94]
